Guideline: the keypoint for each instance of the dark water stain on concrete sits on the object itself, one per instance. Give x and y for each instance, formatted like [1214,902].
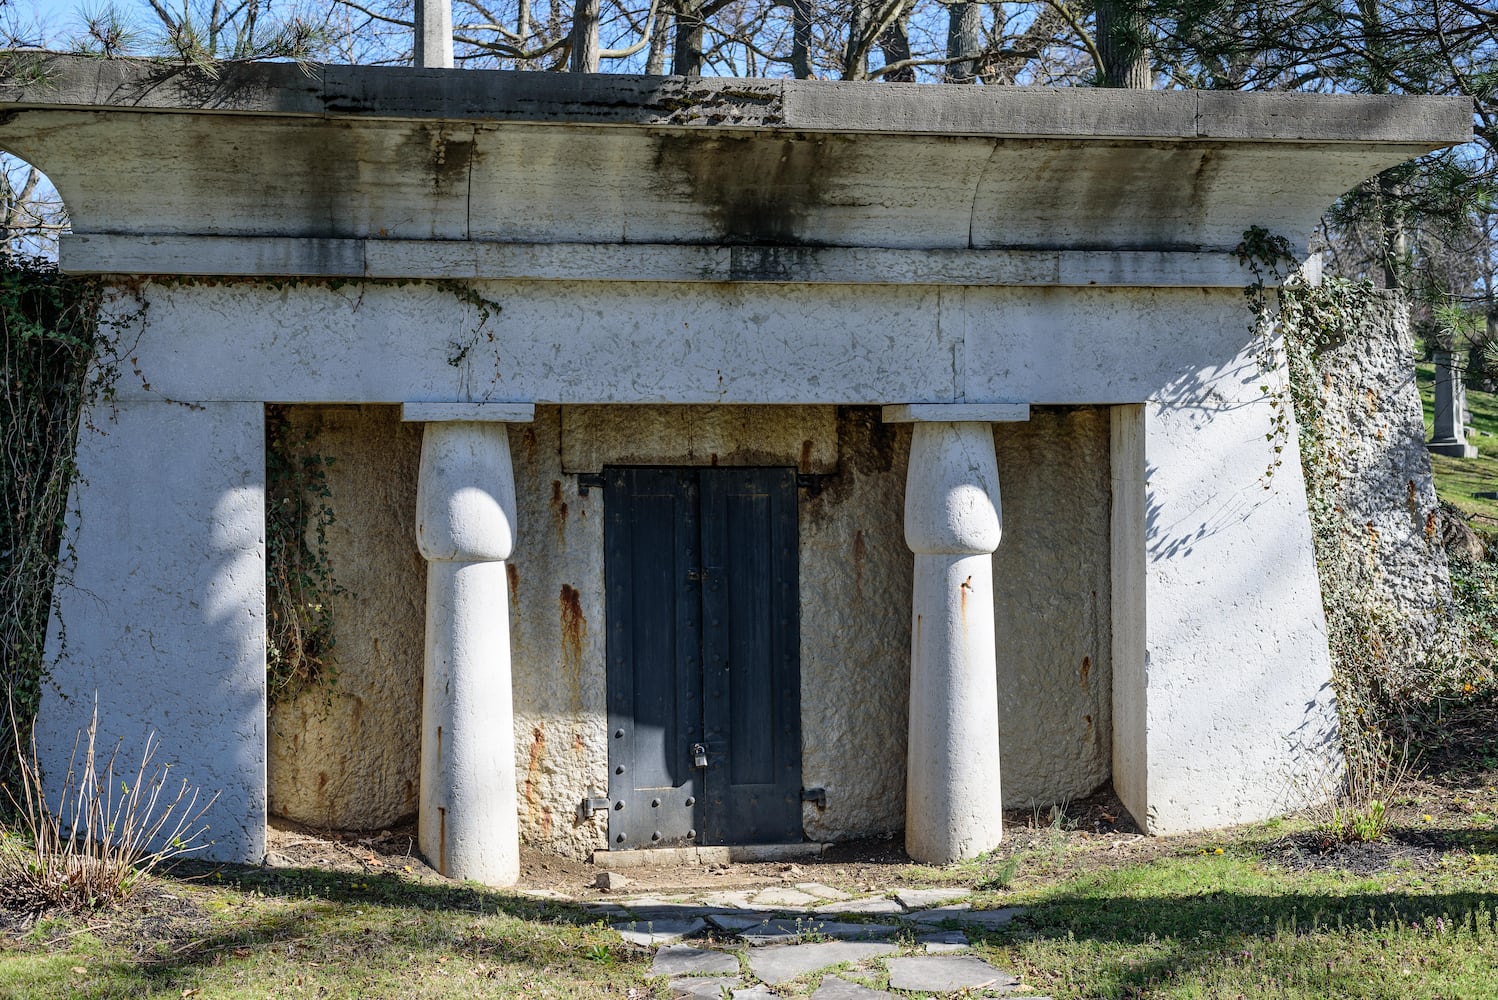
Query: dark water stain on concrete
[574,631]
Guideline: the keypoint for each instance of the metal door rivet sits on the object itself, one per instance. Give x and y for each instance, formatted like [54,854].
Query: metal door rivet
[619,804]
[618,734]
[655,803]
[656,835]
[619,769]
[691,834]
[691,801]
[619,839]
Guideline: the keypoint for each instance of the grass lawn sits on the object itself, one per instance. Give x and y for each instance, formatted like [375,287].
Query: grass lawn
[1458,479]
[1263,912]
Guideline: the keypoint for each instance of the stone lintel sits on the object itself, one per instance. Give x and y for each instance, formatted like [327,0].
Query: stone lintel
[507,413]
[392,259]
[916,413]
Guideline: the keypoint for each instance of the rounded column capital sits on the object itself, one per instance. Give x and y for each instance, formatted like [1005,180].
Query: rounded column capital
[465,493]
[952,490]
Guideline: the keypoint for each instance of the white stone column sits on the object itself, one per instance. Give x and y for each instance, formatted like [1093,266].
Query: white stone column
[465,528]
[953,803]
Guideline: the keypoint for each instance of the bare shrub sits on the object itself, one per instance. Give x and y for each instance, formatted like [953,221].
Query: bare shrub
[113,824]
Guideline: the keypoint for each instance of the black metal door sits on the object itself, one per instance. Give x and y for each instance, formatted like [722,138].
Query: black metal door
[701,570]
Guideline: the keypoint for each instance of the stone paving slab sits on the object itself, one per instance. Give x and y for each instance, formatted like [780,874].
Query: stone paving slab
[990,918]
[920,899]
[754,993]
[670,911]
[782,963]
[780,897]
[822,891]
[784,929]
[946,974]
[737,899]
[703,989]
[735,922]
[833,988]
[878,905]
[943,942]
[685,960]
[652,932]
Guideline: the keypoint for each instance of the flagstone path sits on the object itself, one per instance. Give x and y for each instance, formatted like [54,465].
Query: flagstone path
[772,943]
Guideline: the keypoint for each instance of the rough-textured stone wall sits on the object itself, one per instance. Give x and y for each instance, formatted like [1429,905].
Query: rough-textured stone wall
[1375,438]
[1052,604]
[346,756]
[355,764]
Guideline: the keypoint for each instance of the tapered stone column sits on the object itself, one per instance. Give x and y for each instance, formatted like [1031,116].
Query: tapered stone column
[465,528]
[953,803]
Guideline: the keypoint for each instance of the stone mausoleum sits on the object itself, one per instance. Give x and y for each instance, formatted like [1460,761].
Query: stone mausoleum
[715,462]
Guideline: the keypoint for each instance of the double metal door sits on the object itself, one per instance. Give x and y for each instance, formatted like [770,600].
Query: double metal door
[700,572]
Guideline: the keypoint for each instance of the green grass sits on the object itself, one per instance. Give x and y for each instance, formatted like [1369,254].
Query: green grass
[1176,919]
[1458,479]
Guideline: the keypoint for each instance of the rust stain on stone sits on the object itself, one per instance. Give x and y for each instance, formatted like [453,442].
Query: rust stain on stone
[806,455]
[512,574]
[577,742]
[574,631]
[533,768]
[1089,724]
[528,441]
[1086,669]
[441,841]
[964,587]
[860,550]
[559,510]
[545,822]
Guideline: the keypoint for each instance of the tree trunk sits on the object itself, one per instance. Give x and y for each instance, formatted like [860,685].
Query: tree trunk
[660,41]
[1121,41]
[687,59]
[895,43]
[585,36]
[964,41]
[856,54]
[801,12]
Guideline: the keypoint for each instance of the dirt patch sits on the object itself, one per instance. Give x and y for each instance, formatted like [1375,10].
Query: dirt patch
[1314,852]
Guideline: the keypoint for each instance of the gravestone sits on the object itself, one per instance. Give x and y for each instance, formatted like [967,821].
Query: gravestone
[1450,436]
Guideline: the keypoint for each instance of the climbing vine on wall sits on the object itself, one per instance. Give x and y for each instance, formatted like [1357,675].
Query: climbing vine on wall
[300,586]
[49,335]
[1384,658]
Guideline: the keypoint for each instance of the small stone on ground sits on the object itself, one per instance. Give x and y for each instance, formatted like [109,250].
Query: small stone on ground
[782,963]
[652,932]
[611,882]
[946,974]
[833,988]
[684,960]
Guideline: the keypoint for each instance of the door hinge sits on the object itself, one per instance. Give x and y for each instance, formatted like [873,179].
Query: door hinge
[817,796]
[589,481]
[591,804]
[812,482]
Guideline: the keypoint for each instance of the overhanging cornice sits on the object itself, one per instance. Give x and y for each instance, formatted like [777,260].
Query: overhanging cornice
[262,153]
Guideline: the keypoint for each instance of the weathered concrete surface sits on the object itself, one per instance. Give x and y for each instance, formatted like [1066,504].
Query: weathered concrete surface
[519,156]
[1198,740]
[345,756]
[854,647]
[1052,606]
[803,436]
[164,620]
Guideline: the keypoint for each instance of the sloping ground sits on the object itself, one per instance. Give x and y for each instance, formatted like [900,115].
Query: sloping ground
[1459,480]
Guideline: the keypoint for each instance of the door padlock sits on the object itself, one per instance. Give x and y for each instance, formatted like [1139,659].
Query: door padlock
[699,755]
